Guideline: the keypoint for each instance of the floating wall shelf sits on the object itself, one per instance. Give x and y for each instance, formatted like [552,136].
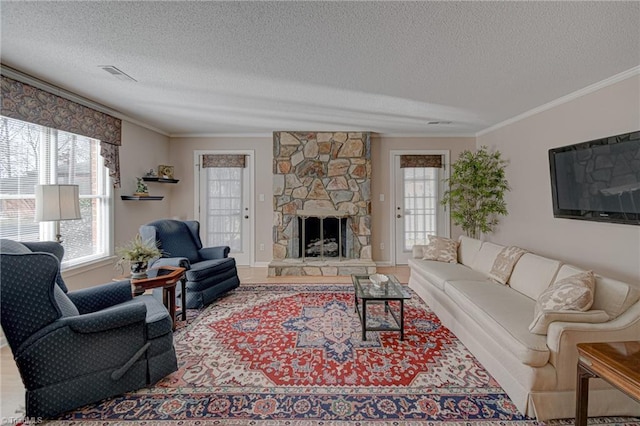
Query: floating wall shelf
[138,198]
[159,179]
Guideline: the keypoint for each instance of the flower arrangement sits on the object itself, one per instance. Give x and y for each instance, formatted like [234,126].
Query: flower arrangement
[137,250]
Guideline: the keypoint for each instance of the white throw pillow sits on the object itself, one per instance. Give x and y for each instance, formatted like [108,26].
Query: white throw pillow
[504,263]
[441,249]
[571,294]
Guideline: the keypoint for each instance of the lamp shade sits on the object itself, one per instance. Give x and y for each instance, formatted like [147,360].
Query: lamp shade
[57,202]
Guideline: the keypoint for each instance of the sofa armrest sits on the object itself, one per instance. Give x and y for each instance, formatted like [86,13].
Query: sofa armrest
[107,319]
[418,251]
[101,296]
[562,338]
[181,262]
[219,252]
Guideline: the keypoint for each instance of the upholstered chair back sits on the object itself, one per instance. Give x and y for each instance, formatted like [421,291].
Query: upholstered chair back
[28,302]
[176,238]
[56,249]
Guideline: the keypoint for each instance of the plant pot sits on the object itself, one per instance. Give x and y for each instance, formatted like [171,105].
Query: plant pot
[139,269]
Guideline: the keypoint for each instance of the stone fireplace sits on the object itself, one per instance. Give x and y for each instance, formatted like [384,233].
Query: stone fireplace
[322,203]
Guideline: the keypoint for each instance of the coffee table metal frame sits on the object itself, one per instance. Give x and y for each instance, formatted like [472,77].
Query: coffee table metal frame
[366,292]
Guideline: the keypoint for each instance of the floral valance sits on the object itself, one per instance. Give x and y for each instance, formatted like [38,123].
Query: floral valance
[223,160]
[27,103]
[434,161]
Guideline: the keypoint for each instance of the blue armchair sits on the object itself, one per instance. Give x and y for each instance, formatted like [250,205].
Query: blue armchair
[210,272]
[74,348]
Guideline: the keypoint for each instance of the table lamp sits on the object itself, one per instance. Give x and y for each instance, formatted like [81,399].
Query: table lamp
[56,203]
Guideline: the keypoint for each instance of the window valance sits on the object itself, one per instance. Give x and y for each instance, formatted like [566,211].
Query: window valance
[434,161]
[224,160]
[27,103]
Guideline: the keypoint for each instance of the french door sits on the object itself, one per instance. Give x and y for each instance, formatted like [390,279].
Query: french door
[223,204]
[417,212]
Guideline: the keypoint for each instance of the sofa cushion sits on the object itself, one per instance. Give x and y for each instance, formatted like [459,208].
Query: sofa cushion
[483,261]
[441,249]
[468,249]
[533,274]
[439,272]
[503,313]
[201,270]
[612,296]
[504,264]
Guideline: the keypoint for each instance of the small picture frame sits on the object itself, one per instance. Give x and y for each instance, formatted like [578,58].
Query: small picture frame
[165,171]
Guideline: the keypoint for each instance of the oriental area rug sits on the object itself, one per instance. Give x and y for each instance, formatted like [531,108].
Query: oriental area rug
[293,355]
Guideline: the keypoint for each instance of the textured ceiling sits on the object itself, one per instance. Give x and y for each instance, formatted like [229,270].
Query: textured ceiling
[256,67]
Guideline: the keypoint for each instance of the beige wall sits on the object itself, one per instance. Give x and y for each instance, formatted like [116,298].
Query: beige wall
[608,249]
[381,147]
[141,150]
[182,201]
[182,149]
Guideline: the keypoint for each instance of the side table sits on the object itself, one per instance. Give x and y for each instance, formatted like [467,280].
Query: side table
[618,363]
[165,277]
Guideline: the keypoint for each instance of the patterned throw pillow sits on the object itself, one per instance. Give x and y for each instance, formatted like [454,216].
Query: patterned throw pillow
[573,293]
[441,249]
[504,263]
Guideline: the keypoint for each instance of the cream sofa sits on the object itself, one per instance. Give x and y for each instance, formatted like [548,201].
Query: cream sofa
[538,372]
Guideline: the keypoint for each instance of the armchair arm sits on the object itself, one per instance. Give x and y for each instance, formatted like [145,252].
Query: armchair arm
[101,296]
[181,262]
[219,252]
[107,319]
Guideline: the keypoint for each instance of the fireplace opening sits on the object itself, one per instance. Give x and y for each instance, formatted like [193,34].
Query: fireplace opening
[322,237]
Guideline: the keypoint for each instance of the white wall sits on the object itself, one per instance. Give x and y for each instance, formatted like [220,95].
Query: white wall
[141,150]
[608,249]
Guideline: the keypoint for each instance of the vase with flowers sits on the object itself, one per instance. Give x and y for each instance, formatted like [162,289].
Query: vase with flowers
[138,254]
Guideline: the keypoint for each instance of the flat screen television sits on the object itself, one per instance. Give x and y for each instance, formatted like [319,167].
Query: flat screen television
[598,180]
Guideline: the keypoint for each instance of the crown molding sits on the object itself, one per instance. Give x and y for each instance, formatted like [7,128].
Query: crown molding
[220,135]
[567,98]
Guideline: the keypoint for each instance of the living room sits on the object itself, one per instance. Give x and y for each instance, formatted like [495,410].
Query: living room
[584,87]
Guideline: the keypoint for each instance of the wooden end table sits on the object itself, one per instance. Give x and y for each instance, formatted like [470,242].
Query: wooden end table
[618,363]
[165,277]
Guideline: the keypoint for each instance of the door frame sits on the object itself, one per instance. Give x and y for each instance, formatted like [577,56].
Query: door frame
[250,153]
[392,192]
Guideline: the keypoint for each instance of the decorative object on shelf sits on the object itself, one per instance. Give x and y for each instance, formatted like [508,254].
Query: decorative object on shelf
[141,189]
[151,173]
[165,172]
[56,203]
[477,187]
[138,254]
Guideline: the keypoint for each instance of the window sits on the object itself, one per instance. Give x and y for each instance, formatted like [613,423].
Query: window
[31,154]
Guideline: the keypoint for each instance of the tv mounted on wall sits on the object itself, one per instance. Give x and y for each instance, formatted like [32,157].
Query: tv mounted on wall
[598,180]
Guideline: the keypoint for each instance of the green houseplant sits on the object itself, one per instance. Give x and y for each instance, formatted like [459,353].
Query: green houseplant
[477,187]
[138,254]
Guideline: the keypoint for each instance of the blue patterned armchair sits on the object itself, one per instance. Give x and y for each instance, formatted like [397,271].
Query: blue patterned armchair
[210,272]
[74,348]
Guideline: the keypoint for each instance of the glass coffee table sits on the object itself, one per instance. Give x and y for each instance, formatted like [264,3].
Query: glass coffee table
[391,291]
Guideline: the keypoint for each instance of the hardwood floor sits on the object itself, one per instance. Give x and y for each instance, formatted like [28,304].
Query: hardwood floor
[12,391]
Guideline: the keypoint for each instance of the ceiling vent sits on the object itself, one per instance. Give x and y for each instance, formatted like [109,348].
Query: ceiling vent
[439,122]
[117,73]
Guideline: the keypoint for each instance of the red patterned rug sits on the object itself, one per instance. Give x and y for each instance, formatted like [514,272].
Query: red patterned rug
[293,355]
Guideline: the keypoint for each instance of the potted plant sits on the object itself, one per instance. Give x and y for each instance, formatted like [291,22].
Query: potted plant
[477,187]
[138,254]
